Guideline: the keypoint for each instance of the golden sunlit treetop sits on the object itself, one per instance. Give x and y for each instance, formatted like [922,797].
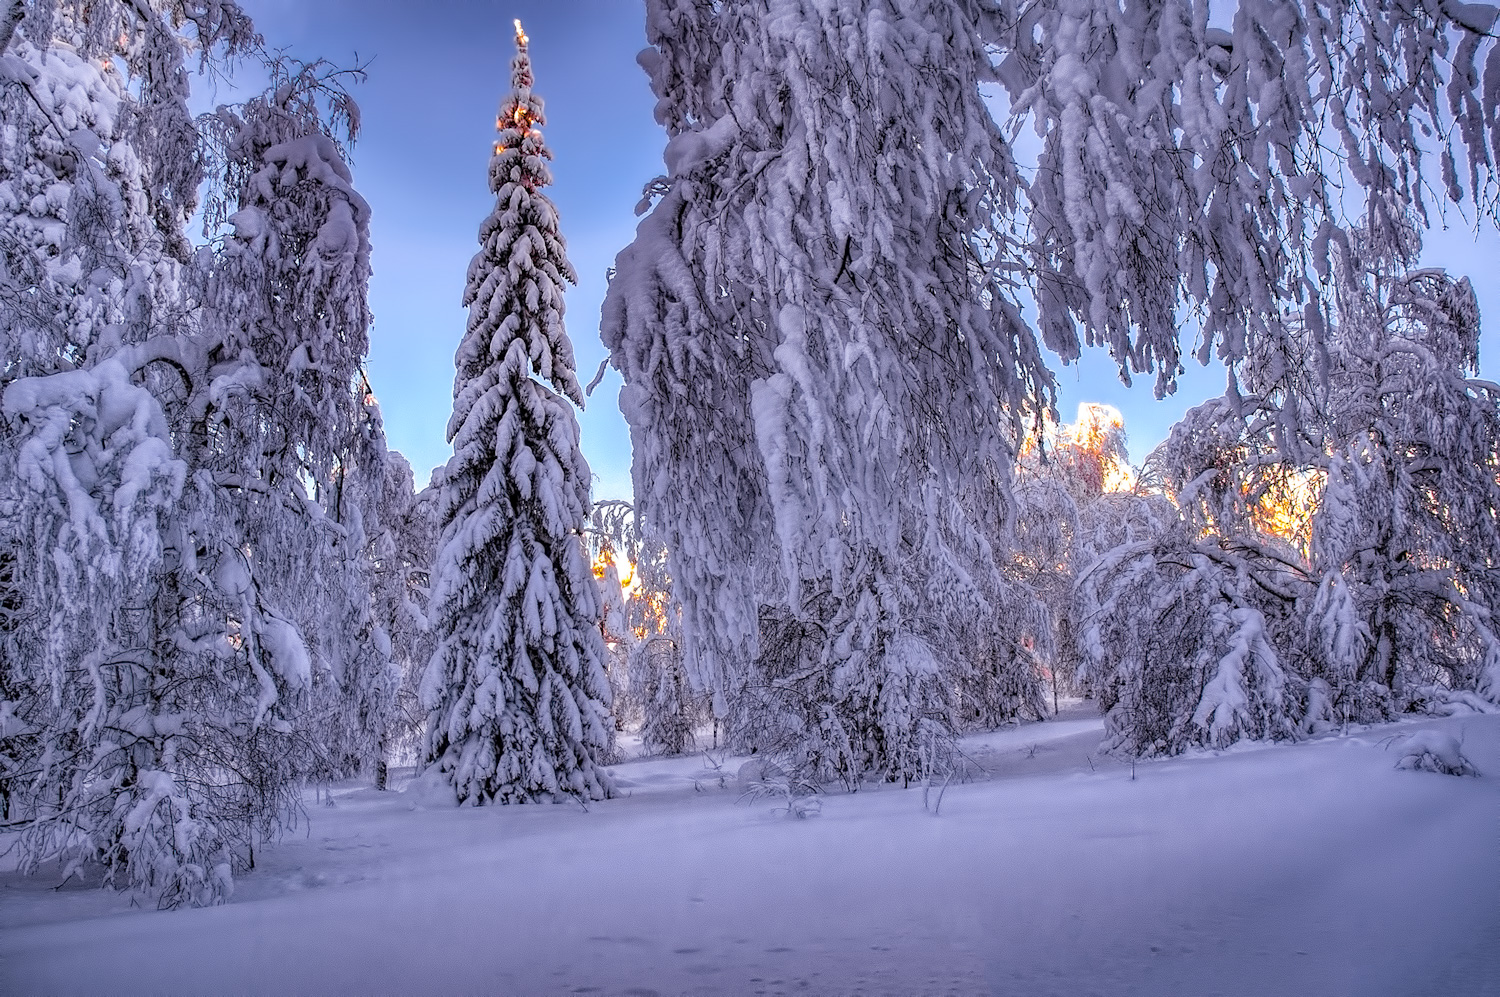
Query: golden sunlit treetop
[1285,507]
[1091,447]
[522,116]
[630,585]
[1093,433]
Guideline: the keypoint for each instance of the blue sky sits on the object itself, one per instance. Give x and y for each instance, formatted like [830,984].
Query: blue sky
[436,76]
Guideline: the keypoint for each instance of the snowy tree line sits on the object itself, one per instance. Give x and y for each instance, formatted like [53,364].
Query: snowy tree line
[858,527]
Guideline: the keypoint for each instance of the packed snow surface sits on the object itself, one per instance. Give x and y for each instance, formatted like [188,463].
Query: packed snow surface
[1315,868]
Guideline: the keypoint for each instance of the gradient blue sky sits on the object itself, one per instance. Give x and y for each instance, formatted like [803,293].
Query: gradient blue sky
[437,74]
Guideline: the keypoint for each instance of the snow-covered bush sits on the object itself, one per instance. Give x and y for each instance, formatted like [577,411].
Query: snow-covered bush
[1178,645]
[1433,751]
[794,797]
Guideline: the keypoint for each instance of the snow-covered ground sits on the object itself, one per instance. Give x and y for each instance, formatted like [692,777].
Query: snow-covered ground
[1309,869]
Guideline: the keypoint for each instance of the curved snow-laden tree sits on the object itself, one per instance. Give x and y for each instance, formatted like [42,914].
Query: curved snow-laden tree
[1405,441]
[1185,166]
[821,299]
[517,689]
[822,357]
[155,723]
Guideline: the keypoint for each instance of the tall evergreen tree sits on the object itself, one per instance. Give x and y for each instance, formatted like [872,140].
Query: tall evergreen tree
[517,688]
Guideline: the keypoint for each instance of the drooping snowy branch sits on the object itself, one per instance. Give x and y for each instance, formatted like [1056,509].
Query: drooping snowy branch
[1186,166]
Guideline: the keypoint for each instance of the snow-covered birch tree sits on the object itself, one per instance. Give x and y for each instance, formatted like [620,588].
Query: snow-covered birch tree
[1071,481]
[1400,444]
[155,723]
[820,353]
[112,773]
[517,688]
[296,439]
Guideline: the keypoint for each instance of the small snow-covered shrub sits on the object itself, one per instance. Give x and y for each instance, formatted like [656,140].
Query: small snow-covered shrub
[1434,751]
[762,779]
[1179,647]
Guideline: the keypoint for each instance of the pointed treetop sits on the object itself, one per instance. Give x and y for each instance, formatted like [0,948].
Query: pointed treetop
[521,112]
[520,67]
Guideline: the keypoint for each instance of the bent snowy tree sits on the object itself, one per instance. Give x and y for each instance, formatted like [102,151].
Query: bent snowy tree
[167,619]
[1344,508]
[517,689]
[824,366]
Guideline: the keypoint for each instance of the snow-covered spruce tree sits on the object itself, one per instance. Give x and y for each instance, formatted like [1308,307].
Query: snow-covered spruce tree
[821,359]
[517,689]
